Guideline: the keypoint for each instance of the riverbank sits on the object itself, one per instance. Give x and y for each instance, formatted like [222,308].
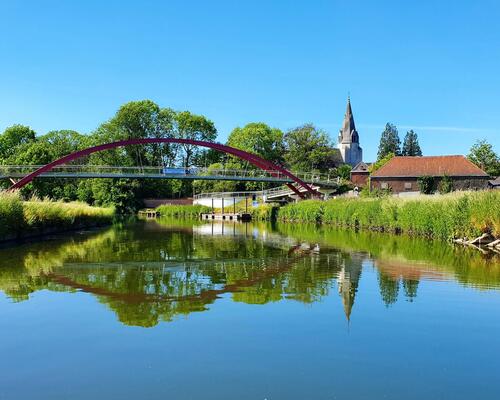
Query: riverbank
[447,217]
[455,215]
[25,219]
[264,212]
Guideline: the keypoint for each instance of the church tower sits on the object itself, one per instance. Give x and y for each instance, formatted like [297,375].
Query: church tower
[349,147]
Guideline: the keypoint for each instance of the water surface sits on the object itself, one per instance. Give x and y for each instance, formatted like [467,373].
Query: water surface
[183,310]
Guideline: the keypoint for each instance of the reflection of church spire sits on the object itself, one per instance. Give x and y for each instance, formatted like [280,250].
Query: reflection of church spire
[348,282]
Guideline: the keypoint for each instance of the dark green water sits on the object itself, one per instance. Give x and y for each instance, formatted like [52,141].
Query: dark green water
[176,310]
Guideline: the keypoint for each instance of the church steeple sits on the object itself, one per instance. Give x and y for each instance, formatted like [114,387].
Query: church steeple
[348,133]
[349,147]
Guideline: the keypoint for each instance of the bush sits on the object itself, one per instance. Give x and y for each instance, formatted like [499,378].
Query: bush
[445,185]
[426,184]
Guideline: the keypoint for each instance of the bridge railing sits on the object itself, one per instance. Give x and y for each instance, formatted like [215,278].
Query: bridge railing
[227,195]
[22,170]
[17,171]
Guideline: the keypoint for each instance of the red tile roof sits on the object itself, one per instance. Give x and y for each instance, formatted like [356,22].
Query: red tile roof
[430,166]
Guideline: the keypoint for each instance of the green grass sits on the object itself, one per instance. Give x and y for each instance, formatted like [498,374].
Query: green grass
[459,214]
[264,212]
[20,218]
[182,211]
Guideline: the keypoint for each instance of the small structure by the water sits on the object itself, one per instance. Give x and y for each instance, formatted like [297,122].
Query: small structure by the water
[244,217]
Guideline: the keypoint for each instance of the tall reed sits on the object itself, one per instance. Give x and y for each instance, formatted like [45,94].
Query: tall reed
[22,218]
[459,214]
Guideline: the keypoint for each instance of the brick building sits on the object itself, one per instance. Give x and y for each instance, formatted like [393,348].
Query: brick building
[360,174]
[401,174]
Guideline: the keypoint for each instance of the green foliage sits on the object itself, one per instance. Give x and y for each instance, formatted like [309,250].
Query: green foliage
[309,149]
[11,214]
[258,138]
[464,214]
[411,146]
[483,155]
[344,171]
[21,218]
[445,185]
[195,127]
[389,142]
[183,211]
[123,194]
[208,186]
[264,212]
[380,162]
[426,184]
[13,137]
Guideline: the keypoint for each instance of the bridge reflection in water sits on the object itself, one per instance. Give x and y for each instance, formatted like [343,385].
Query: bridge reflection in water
[155,271]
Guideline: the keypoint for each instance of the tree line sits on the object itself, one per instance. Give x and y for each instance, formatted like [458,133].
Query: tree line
[305,148]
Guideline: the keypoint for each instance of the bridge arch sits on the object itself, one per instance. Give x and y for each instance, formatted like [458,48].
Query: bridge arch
[257,161]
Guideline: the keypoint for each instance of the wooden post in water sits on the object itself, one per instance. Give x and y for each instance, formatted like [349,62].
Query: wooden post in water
[222,205]
[212,205]
[246,205]
[234,205]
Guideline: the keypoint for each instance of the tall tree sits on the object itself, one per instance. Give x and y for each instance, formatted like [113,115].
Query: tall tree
[13,137]
[411,146]
[195,127]
[259,138]
[389,142]
[483,155]
[308,149]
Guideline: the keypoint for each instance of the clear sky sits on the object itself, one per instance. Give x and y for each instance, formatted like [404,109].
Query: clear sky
[433,66]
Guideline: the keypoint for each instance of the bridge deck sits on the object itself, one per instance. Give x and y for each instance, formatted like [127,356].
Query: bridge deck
[98,171]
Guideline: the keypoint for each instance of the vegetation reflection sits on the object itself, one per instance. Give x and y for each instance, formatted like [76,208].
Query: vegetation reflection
[156,271]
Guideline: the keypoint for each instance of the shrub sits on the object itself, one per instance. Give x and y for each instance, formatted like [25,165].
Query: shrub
[426,184]
[445,185]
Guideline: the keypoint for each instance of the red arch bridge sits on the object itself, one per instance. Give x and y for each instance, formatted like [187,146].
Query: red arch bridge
[299,183]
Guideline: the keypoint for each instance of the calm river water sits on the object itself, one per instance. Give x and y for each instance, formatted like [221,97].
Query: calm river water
[183,310]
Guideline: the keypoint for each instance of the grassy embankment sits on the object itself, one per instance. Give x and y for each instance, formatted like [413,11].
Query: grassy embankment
[456,215]
[264,212]
[19,219]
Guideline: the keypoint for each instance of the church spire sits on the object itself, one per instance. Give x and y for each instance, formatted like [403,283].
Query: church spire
[348,128]
[348,141]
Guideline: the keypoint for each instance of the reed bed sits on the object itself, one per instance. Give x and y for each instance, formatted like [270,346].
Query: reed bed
[459,214]
[20,218]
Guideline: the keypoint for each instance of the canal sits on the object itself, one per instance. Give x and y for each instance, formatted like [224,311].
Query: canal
[189,310]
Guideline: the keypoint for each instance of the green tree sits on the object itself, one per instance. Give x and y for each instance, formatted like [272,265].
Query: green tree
[13,137]
[308,149]
[258,138]
[194,127]
[411,146]
[344,171]
[483,155]
[389,142]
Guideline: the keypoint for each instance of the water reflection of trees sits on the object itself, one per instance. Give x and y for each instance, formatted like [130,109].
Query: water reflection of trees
[151,273]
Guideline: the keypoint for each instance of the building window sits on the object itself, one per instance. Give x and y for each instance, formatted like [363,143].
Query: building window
[384,185]
[407,185]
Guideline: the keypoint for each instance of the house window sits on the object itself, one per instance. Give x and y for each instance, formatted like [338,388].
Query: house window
[384,185]
[407,185]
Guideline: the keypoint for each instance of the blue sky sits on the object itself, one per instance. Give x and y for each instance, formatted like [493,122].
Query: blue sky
[433,66]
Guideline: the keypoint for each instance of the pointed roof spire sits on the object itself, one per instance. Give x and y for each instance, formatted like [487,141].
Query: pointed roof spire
[349,118]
